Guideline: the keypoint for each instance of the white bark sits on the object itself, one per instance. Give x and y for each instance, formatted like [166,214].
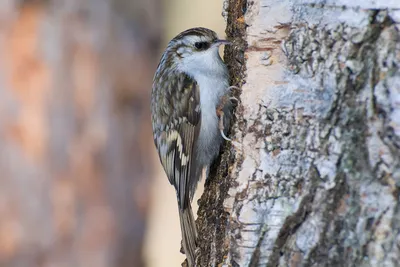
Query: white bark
[315,180]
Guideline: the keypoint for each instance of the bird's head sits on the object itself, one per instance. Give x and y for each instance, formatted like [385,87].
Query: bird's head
[195,50]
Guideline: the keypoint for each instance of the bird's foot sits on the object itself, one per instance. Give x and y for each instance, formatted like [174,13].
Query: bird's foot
[221,128]
[234,87]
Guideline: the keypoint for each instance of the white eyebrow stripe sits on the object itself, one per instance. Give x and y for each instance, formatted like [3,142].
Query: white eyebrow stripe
[191,39]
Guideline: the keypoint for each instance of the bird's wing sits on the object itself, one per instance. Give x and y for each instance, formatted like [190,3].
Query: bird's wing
[178,129]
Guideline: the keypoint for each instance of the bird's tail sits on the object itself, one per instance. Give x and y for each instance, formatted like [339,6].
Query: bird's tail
[189,234]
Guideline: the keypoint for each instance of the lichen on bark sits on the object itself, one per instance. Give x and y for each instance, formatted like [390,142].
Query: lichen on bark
[315,179]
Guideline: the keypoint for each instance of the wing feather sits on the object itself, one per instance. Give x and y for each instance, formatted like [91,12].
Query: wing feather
[176,137]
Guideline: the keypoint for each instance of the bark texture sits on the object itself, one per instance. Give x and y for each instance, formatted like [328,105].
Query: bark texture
[315,179]
[75,131]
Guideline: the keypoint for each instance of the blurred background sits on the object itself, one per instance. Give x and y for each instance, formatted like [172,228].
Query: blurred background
[80,181]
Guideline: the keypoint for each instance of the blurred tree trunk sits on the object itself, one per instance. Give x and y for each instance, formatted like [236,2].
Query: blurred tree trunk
[315,178]
[75,167]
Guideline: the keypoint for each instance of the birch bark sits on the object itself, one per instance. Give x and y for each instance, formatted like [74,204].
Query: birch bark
[315,179]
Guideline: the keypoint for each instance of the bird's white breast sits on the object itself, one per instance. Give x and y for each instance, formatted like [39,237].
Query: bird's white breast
[211,91]
[211,75]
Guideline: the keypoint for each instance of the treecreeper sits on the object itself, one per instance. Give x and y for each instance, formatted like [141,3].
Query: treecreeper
[191,109]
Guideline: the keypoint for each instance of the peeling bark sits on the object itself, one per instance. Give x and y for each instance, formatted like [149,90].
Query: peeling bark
[315,180]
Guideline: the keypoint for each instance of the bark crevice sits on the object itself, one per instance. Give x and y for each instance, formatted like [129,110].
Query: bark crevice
[317,177]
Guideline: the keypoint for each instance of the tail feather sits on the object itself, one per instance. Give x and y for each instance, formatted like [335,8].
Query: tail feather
[189,234]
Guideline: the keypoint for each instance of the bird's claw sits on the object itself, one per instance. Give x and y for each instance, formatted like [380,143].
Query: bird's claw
[221,130]
[233,87]
[234,99]
[221,125]
[220,114]
[224,136]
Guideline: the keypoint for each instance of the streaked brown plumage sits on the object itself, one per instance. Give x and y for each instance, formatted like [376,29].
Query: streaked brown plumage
[188,85]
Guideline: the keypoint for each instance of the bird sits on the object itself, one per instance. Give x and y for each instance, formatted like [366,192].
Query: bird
[191,112]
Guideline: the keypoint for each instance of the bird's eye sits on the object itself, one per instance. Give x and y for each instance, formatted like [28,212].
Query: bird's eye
[201,45]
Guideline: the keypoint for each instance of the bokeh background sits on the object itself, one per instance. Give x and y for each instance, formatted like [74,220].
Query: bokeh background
[80,182]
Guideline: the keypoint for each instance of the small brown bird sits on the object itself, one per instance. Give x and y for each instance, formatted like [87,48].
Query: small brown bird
[189,101]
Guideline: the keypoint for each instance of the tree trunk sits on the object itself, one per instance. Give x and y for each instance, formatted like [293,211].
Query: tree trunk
[314,177]
[75,166]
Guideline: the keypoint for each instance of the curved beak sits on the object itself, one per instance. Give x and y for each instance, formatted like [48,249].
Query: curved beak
[221,42]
